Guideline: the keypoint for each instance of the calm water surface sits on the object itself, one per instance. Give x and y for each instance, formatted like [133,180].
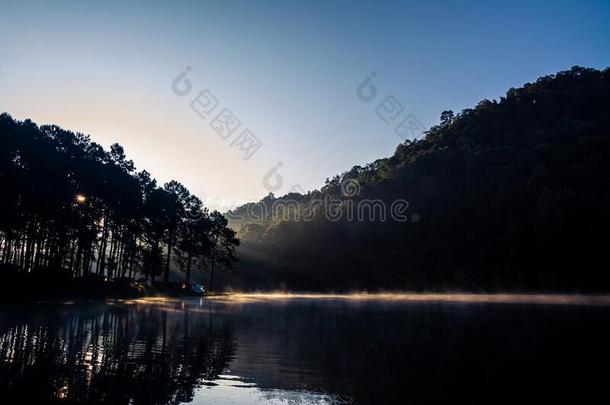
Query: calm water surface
[303,350]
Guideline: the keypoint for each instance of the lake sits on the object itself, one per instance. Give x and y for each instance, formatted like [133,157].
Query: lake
[276,349]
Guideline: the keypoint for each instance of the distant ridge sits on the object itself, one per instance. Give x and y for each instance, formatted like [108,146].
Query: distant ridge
[510,195]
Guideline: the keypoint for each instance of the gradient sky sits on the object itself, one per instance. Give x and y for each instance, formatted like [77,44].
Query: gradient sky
[288,70]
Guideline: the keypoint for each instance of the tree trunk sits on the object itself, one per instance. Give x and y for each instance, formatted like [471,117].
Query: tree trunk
[211,286]
[189,260]
[169,256]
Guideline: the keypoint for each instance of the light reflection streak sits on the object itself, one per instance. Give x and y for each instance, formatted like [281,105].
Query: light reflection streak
[171,304]
[543,299]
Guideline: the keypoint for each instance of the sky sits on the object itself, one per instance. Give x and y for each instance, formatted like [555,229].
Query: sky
[288,71]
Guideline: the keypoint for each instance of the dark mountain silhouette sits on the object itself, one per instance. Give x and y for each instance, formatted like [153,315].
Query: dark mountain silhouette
[510,195]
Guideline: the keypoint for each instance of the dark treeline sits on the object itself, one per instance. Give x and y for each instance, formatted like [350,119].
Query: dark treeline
[510,195]
[71,208]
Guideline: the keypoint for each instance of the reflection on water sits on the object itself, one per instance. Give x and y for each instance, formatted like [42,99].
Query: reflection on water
[149,354]
[302,349]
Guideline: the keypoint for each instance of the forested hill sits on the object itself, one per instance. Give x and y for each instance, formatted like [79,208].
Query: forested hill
[509,195]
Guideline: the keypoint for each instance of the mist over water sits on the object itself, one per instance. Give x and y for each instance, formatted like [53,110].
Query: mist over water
[405,297]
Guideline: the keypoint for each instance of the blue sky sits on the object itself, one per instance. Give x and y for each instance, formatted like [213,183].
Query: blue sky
[288,70]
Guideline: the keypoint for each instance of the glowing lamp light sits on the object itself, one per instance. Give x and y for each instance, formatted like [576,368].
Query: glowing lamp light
[81,199]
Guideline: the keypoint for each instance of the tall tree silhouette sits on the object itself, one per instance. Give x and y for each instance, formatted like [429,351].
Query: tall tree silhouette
[71,207]
[223,242]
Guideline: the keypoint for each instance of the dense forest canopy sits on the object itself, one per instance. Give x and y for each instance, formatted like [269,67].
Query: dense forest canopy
[70,207]
[511,194]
